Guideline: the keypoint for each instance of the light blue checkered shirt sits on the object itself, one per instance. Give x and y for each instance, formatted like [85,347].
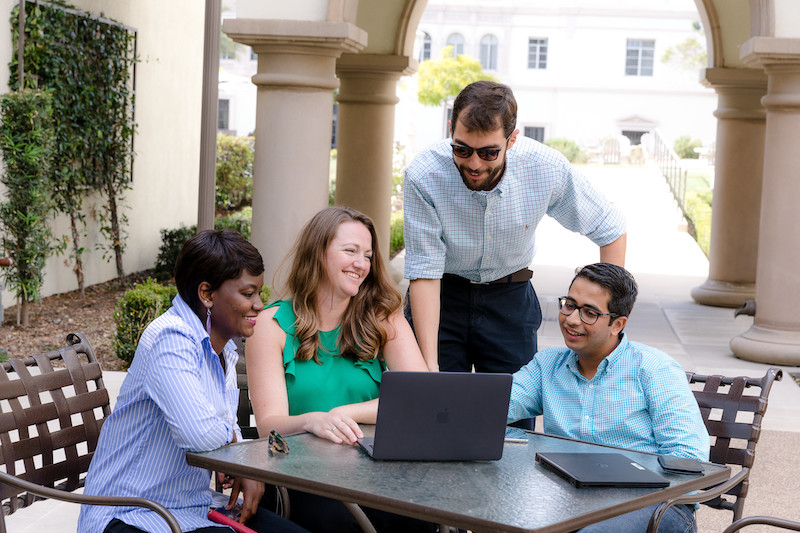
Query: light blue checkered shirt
[639,399]
[175,398]
[485,235]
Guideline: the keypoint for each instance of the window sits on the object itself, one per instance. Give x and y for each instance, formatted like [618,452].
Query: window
[639,57]
[537,53]
[223,114]
[456,40]
[534,132]
[425,51]
[489,52]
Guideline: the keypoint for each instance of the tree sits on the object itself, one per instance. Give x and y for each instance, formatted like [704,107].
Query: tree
[442,79]
[689,55]
[26,141]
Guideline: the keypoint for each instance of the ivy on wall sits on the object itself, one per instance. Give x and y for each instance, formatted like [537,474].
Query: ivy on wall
[87,63]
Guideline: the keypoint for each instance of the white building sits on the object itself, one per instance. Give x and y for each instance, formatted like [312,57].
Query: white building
[580,69]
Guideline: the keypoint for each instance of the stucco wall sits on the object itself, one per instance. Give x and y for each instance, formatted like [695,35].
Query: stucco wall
[166,168]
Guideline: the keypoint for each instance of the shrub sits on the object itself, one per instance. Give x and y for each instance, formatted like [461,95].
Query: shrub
[567,147]
[173,240]
[684,146]
[234,172]
[698,212]
[240,221]
[135,310]
[396,241]
[171,243]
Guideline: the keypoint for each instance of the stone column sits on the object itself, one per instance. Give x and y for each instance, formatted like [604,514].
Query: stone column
[294,112]
[775,335]
[365,143]
[741,122]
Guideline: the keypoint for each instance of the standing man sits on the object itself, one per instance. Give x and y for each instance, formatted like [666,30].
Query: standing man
[472,204]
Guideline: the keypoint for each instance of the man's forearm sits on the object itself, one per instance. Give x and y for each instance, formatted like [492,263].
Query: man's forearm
[614,252]
[425,307]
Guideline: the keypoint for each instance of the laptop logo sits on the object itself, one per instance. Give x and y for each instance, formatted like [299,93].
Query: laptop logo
[443,417]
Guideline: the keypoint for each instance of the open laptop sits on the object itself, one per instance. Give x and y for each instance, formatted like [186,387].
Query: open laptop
[601,470]
[440,416]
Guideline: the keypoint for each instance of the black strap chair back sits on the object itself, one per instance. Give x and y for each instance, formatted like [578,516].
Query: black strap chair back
[52,407]
[733,409]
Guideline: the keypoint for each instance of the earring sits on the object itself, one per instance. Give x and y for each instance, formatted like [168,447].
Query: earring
[208,321]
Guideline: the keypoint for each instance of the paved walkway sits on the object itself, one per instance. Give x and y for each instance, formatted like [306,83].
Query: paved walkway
[667,264]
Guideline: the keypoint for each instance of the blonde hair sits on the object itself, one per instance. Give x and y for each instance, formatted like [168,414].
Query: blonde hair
[363,334]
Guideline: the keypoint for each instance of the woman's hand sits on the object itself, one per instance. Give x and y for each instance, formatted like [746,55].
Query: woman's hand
[334,426]
[252,492]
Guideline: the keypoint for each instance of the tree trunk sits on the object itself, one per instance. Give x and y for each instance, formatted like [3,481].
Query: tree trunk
[24,313]
[115,231]
[78,268]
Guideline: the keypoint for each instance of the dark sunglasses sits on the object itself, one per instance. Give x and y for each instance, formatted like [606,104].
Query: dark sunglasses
[277,444]
[487,154]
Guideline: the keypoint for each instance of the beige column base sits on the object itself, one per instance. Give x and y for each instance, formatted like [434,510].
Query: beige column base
[720,293]
[764,345]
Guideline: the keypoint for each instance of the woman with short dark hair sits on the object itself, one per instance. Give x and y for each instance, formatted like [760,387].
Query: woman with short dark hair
[180,395]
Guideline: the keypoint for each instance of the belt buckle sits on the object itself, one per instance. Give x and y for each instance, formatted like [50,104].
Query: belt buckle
[479,282]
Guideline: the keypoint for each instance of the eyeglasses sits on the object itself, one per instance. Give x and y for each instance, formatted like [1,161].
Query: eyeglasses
[277,444]
[487,154]
[588,315]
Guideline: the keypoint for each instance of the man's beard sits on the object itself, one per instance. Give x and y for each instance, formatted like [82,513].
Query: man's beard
[486,184]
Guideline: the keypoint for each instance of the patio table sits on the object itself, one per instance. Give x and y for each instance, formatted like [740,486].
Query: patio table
[513,494]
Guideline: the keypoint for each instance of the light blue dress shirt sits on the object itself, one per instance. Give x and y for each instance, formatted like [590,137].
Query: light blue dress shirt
[485,235]
[175,398]
[638,399]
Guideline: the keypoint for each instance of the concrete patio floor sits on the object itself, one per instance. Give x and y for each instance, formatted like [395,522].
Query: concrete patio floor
[667,264]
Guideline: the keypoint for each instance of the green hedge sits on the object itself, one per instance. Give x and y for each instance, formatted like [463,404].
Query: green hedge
[698,211]
[135,310]
[396,241]
[568,147]
[172,240]
[234,188]
[684,146]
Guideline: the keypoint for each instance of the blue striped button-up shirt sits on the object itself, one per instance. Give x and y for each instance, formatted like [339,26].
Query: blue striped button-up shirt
[485,235]
[638,399]
[175,398]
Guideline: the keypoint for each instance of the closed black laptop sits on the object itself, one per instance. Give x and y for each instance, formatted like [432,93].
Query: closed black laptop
[601,470]
[440,416]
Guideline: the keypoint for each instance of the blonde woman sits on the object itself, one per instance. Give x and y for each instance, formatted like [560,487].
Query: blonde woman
[315,360]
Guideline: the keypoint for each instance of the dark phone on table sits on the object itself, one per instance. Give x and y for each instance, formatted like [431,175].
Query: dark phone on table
[680,465]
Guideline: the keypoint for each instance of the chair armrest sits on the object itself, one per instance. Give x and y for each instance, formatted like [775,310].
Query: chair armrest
[116,501]
[768,520]
[697,497]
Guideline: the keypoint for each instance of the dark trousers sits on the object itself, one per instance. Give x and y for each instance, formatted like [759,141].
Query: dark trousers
[488,328]
[319,514]
[264,521]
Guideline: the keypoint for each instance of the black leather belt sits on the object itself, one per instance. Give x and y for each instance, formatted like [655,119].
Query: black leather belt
[523,274]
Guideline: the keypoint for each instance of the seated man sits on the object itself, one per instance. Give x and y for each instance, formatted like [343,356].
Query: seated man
[603,388]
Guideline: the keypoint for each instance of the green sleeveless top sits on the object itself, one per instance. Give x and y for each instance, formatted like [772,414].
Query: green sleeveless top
[339,380]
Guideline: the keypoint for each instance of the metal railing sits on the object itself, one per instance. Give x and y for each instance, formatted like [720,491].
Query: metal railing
[670,165]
